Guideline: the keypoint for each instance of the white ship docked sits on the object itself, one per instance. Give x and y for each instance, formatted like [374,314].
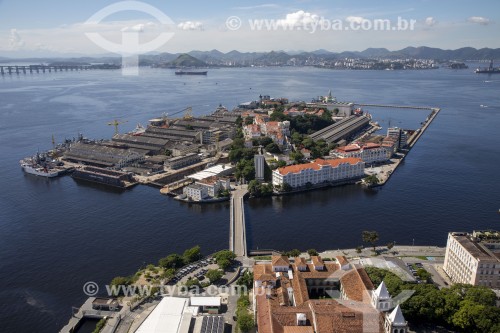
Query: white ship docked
[38,170]
[39,167]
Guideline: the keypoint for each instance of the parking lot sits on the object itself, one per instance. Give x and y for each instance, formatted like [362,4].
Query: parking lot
[195,270]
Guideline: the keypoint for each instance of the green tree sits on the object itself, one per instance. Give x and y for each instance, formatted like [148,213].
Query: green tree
[235,154]
[273,148]
[224,258]
[297,156]
[191,283]
[248,121]
[246,280]
[297,138]
[239,121]
[265,140]
[266,189]
[281,164]
[312,252]
[214,275]
[245,321]
[294,253]
[424,275]
[308,143]
[481,295]
[254,188]
[121,281]
[173,261]
[100,325]
[370,237]
[193,254]
[168,273]
[372,180]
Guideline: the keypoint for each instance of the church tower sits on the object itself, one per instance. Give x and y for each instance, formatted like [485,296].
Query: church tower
[381,299]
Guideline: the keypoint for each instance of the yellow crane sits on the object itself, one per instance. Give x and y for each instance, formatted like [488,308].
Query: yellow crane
[117,123]
[188,115]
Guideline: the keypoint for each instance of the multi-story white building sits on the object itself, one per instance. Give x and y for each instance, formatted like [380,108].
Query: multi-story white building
[473,258]
[319,171]
[196,192]
[205,188]
[369,152]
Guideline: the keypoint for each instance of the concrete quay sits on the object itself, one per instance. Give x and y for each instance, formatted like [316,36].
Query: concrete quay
[384,172]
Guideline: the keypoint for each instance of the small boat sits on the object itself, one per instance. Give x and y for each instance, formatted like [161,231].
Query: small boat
[181,72]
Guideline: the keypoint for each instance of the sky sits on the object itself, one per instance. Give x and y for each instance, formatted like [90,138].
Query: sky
[61,27]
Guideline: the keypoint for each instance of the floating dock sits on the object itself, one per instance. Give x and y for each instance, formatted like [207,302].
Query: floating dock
[114,178]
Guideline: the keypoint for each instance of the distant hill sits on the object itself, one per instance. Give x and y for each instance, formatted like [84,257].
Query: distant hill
[186,60]
[280,58]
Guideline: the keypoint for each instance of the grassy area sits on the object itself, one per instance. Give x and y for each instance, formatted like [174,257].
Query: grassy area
[262,258]
[100,325]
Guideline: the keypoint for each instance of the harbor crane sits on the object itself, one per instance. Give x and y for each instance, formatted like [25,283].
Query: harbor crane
[188,115]
[117,123]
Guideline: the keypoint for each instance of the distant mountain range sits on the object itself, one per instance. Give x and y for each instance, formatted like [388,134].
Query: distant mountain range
[236,58]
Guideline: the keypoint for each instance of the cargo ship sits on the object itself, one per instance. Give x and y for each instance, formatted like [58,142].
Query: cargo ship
[488,70]
[181,72]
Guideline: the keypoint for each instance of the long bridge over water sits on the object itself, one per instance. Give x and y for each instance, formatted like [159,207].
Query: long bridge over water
[31,69]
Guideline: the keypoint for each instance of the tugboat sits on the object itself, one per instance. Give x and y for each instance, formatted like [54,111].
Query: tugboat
[488,70]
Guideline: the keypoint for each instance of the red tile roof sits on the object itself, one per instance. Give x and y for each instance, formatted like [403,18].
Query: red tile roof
[280,261]
[316,165]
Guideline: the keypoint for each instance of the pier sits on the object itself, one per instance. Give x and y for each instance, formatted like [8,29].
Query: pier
[388,171]
[396,106]
[237,228]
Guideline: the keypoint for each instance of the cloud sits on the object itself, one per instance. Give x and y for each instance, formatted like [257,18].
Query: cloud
[355,19]
[190,25]
[430,21]
[15,40]
[263,6]
[479,20]
[300,18]
[135,28]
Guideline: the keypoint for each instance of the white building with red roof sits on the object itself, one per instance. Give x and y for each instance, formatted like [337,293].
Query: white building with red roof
[319,171]
[368,152]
